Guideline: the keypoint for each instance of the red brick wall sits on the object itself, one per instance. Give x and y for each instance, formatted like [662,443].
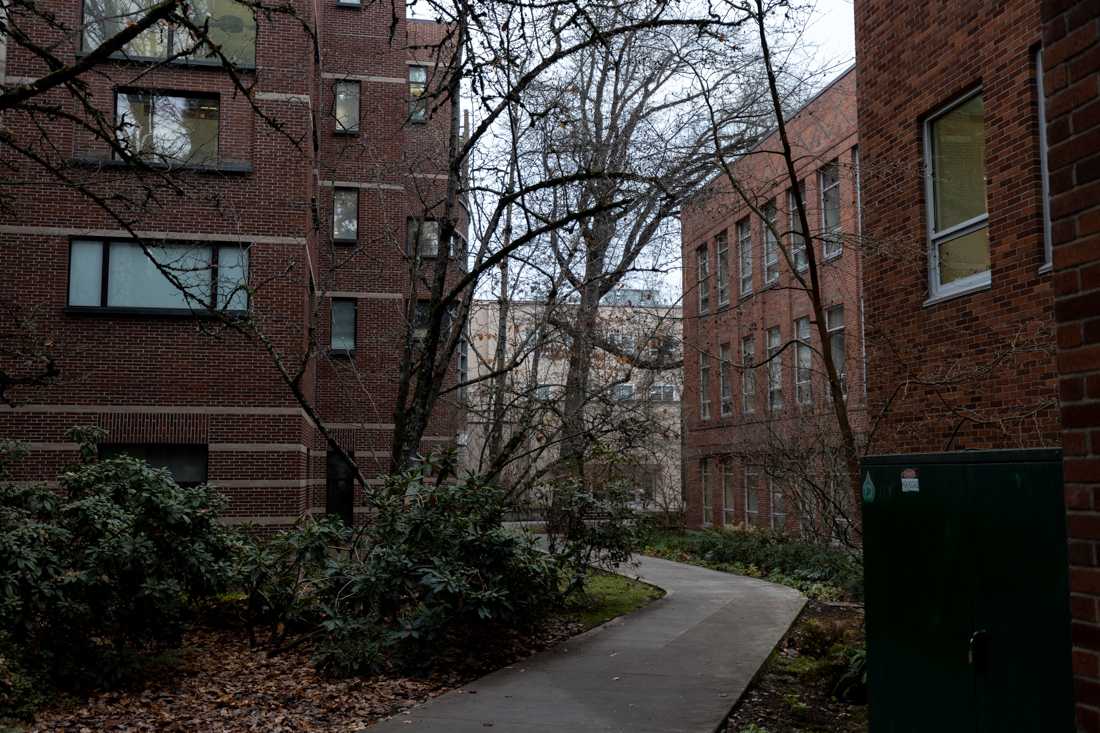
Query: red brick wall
[1071,56]
[156,378]
[825,129]
[979,367]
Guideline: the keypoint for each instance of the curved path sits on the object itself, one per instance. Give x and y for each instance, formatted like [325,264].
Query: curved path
[679,664]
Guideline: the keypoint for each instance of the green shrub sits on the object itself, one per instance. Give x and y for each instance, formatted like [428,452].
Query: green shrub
[103,570]
[823,572]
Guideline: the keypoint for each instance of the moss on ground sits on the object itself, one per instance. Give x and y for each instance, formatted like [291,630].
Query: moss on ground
[607,596]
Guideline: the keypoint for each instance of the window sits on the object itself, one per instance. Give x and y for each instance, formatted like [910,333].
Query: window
[958,219]
[422,315]
[232,28]
[721,242]
[662,393]
[779,512]
[729,516]
[771,244]
[704,387]
[798,237]
[744,255]
[725,380]
[544,392]
[703,273]
[748,374]
[343,324]
[803,374]
[186,463]
[828,179]
[422,237]
[183,277]
[346,106]
[775,369]
[624,392]
[704,480]
[418,85]
[168,129]
[752,499]
[834,324]
[1044,174]
[463,367]
[345,214]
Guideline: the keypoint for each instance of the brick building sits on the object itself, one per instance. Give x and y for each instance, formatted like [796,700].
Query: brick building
[301,220]
[1071,58]
[760,445]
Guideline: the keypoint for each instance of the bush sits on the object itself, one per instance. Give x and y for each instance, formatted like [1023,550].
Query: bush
[823,572]
[93,575]
[434,566]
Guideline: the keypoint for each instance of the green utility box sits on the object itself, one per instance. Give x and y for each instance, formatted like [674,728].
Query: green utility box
[967,593]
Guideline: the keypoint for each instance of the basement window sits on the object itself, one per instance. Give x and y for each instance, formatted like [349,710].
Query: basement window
[186,463]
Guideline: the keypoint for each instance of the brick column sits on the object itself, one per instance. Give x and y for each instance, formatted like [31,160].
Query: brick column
[1071,57]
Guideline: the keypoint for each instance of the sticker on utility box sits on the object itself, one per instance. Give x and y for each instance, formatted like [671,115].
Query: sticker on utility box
[868,489]
[910,482]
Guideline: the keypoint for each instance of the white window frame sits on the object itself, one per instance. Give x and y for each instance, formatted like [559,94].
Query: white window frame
[722,245]
[774,342]
[704,480]
[623,392]
[798,240]
[1044,173]
[830,236]
[832,328]
[729,508]
[772,492]
[748,375]
[704,387]
[662,392]
[750,514]
[771,244]
[971,283]
[702,270]
[356,111]
[803,378]
[744,256]
[725,381]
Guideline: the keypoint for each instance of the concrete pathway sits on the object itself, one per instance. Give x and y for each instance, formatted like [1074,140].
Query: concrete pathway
[679,664]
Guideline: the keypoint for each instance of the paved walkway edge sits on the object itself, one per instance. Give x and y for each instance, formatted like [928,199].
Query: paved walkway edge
[680,664]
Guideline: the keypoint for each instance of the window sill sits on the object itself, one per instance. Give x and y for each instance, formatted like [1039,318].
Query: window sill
[175,313]
[342,353]
[953,294]
[212,64]
[224,166]
[829,258]
[345,133]
[1046,268]
[345,242]
[350,6]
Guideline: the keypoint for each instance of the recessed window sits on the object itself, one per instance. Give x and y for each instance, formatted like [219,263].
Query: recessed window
[231,26]
[346,105]
[779,513]
[771,244]
[775,369]
[624,392]
[748,374]
[702,269]
[721,243]
[958,218]
[343,324]
[729,516]
[834,324]
[345,214]
[175,130]
[704,481]
[418,86]
[171,277]
[544,392]
[828,179]
[422,237]
[725,380]
[798,237]
[662,393]
[704,386]
[803,366]
[752,498]
[744,255]
[186,463]
[422,316]
[463,366]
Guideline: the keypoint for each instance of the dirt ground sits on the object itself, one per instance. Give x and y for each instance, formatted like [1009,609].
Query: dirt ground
[795,690]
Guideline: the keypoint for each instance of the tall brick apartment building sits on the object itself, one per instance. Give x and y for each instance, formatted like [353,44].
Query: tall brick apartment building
[742,305]
[311,213]
[982,299]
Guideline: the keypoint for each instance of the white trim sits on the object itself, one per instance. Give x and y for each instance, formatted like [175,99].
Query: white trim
[283,97]
[361,295]
[212,237]
[364,185]
[362,77]
[938,292]
[256,448]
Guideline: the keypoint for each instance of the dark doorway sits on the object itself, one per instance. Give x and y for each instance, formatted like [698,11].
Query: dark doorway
[340,487]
